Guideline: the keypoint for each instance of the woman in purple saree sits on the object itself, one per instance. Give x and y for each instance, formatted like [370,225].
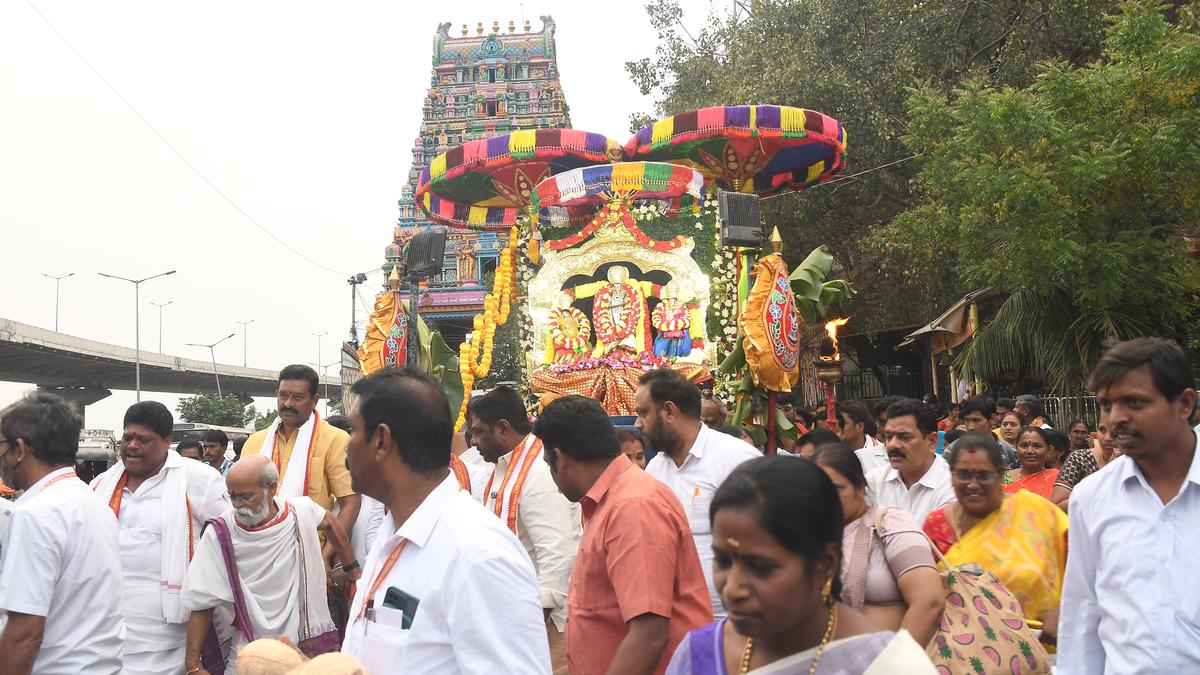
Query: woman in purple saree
[777,538]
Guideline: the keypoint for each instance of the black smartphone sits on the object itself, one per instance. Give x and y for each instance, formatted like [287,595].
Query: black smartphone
[405,603]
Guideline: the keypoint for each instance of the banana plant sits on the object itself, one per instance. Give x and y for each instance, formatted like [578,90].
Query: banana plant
[815,299]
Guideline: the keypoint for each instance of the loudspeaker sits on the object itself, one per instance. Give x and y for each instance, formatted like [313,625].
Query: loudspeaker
[741,224]
[425,253]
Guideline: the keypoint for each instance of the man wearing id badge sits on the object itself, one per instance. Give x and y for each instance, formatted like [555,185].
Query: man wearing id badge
[447,587]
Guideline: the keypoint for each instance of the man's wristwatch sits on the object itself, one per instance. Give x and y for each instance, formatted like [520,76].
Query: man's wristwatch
[350,566]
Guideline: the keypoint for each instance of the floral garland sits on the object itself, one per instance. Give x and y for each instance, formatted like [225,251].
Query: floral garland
[660,321]
[475,353]
[583,331]
[615,213]
[606,332]
[723,310]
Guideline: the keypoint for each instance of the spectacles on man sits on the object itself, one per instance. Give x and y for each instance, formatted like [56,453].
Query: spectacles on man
[982,477]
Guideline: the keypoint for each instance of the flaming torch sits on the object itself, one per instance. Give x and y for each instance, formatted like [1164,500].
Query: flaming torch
[829,368]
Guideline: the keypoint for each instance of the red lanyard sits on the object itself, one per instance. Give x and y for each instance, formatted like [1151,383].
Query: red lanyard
[52,481]
[384,570]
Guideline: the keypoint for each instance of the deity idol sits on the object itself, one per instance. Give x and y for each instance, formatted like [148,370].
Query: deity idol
[569,332]
[619,313]
[672,318]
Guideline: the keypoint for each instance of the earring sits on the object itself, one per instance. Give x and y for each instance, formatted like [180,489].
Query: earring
[827,592]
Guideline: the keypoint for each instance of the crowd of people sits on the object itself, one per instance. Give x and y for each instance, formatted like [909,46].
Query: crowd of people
[384,542]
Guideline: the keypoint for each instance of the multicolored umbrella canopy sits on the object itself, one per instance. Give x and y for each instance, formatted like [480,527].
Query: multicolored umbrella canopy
[613,187]
[485,184]
[760,149]
[594,185]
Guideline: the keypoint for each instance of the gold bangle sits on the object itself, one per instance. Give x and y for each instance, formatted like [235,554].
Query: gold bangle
[195,670]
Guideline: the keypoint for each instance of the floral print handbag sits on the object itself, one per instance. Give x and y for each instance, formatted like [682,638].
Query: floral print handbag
[982,629]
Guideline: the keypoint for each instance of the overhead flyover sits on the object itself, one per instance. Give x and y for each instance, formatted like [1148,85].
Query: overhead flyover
[84,371]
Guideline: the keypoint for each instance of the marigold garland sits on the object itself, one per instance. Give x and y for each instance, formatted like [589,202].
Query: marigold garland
[475,353]
[583,332]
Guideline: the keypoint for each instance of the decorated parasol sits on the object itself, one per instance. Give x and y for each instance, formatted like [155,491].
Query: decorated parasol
[487,183]
[614,187]
[759,149]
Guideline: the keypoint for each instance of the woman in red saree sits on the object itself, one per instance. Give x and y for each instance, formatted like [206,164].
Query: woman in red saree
[1032,445]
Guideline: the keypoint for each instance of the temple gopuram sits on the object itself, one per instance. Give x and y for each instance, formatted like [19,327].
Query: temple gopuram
[489,83]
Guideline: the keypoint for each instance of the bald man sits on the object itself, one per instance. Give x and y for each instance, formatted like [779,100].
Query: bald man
[274,545]
[712,413]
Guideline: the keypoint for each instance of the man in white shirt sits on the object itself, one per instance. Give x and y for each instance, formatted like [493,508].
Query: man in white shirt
[693,459]
[1131,598]
[161,501]
[522,493]
[858,433]
[976,414]
[277,586]
[60,570]
[447,588]
[915,478]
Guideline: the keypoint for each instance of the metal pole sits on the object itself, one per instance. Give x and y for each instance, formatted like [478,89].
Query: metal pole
[213,353]
[160,306]
[137,317]
[318,336]
[137,337]
[57,280]
[414,337]
[244,339]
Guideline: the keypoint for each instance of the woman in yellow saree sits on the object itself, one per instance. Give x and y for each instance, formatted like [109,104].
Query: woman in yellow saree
[1019,537]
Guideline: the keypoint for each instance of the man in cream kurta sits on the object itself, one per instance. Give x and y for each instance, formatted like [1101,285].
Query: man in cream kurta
[153,491]
[280,588]
[522,493]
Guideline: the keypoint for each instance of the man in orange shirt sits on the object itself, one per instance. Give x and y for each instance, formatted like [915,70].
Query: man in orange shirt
[636,588]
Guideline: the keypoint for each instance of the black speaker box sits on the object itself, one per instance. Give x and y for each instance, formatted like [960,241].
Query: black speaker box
[425,253]
[741,224]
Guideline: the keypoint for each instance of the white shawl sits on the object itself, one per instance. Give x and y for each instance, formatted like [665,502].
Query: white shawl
[280,570]
[294,482]
[177,535]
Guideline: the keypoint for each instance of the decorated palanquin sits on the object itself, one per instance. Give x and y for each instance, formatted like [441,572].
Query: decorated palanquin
[644,297]
[613,267]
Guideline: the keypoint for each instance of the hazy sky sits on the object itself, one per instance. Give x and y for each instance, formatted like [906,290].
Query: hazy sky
[302,113]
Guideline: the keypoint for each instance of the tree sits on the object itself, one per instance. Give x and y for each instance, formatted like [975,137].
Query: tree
[1073,194]
[225,411]
[264,420]
[853,59]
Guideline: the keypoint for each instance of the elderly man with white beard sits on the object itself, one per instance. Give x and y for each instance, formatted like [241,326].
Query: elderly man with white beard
[262,560]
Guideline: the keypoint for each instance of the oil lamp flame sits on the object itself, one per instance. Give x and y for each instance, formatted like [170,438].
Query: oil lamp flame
[831,327]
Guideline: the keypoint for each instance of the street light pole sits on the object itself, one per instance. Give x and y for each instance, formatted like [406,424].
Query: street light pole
[160,306]
[57,280]
[244,324]
[319,336]
[213,353]
[137,326]
[325,376]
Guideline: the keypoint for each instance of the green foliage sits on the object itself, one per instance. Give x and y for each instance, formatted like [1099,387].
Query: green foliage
[1073,194]
[225,411]
[264,420]
[815,297]
[508,358]
[852,59]
[444,369]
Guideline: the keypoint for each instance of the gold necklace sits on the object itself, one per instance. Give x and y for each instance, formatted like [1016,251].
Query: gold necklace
[748,650]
